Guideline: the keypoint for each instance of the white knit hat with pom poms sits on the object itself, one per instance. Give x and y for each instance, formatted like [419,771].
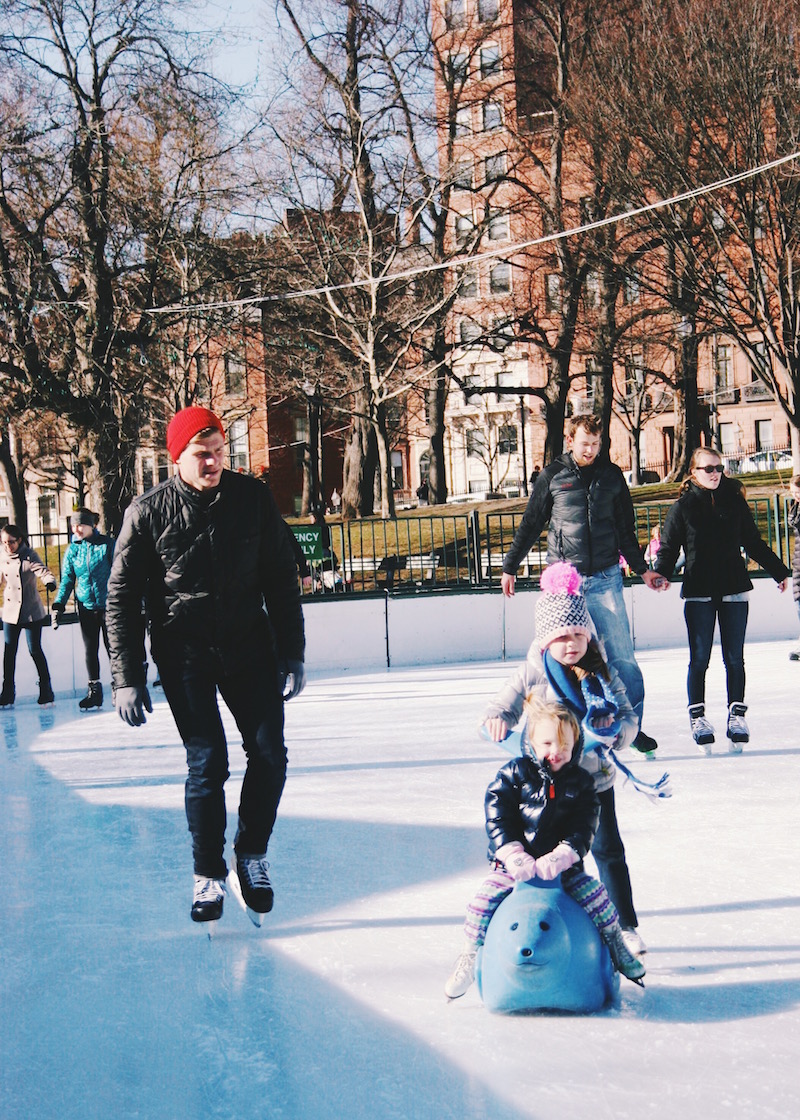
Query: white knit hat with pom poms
[561,607]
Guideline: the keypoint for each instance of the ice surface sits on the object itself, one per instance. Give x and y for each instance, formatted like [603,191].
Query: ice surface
[114,1004]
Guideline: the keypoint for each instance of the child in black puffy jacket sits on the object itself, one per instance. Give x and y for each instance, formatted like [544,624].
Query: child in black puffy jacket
[541,817]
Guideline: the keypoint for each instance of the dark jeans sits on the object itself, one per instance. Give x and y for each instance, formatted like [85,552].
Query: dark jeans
[700,623]
[609,854]
[93,623]
[254,700]
[33,632]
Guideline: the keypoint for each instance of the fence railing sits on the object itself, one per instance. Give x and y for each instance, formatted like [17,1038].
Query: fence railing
[441,551]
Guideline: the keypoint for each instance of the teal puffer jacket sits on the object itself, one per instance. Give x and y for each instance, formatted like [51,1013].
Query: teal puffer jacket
[86,568]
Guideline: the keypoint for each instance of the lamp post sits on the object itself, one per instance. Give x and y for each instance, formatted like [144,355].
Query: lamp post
[313,396]
[522,438]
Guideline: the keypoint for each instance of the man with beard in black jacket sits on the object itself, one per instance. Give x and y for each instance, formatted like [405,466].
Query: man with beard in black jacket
[207,551]
[588,506]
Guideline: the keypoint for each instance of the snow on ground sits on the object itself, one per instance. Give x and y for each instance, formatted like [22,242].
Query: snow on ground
[114,1004]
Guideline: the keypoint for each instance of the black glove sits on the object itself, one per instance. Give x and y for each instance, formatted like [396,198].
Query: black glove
[291,678]
[58,610]
[131,703]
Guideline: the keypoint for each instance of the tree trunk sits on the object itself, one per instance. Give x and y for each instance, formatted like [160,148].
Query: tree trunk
[360,460]
[14,484]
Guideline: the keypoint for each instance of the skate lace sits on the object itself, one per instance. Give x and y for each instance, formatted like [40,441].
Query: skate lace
[208,890]
[465,967]
[254,870]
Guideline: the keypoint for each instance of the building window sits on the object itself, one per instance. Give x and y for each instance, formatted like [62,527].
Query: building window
[634,374]
[458,68]
[234,374]
[455,13]
[465,228]
[468,286]
[721,289]
[469,331]
[552,292]
[48,517]
[487,10]
[155,469]
[727,436]
[498,225]
[723,367]
[592,290]
[500,278]
[764,435]
[202,384]
[494,167]
[490,60]
[492,115]
[631,287]
[507,439]
[475,443]
[237,445]
[464,121]
[397,470]
[462,175]
[502,330]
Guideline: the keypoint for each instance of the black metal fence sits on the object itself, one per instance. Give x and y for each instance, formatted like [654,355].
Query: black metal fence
[441,551]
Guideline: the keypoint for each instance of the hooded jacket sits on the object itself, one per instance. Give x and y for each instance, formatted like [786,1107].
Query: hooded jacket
[590,525]
[712,527]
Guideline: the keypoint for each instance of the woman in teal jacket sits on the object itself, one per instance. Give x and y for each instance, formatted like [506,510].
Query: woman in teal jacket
[85,571]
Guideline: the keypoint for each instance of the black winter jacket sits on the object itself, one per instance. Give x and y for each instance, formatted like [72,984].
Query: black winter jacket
[589,527]
[204,568]
[525,802]
[712,526]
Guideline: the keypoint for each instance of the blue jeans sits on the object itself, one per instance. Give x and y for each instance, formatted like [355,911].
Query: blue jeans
[603,592]
[701,620]
[33,632]
[253,697]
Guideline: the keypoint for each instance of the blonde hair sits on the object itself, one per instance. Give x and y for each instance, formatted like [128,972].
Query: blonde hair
[537,709]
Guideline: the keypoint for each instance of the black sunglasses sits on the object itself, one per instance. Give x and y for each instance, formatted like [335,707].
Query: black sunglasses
[712,468]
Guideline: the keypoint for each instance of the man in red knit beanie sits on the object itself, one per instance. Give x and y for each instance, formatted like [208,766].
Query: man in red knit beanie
[207,551]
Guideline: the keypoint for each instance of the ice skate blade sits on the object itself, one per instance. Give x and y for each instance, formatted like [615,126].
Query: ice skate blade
[735,745]
[256,918]
[705,749]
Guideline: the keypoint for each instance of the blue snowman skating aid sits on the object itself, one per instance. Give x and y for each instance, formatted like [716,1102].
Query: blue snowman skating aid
[543,953]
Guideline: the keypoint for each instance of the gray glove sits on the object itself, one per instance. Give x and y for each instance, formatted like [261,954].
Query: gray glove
[131,703]
[291,678]
[57,611]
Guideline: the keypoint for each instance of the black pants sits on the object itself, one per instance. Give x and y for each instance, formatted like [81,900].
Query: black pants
[254,700]
[701,620]
[33,632]
[609,854]
[93,623]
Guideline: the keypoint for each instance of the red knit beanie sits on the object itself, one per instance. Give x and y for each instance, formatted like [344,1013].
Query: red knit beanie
[185,425]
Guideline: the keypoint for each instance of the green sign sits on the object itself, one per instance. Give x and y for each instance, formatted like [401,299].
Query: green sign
[310,540]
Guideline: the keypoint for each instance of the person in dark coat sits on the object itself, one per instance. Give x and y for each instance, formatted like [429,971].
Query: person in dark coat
[794,525]
[541,818]
[586,502]
[207,551]
[712,522]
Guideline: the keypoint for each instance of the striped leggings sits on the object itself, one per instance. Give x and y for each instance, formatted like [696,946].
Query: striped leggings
[587,891]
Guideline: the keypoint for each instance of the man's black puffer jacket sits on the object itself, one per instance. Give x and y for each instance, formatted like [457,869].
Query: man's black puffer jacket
[712,526]
[204,566]
[589,526]
[525,802]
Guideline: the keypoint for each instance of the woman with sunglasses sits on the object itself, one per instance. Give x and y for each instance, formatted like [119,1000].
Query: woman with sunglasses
[712,522]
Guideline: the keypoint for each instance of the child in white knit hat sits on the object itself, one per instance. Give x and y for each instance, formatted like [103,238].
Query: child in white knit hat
[565,663]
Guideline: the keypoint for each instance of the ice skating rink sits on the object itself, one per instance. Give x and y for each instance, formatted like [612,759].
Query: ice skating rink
[115,1005]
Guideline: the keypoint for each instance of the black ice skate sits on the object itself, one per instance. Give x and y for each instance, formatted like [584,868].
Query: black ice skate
[209,895]
[702,731]
[45,693]
[7,698]
[93,698]
[738,731]
[249,880]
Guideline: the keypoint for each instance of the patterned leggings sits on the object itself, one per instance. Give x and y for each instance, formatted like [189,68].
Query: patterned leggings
[587,891]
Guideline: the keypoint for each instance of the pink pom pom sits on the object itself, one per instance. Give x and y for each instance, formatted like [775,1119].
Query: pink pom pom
[561,579]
